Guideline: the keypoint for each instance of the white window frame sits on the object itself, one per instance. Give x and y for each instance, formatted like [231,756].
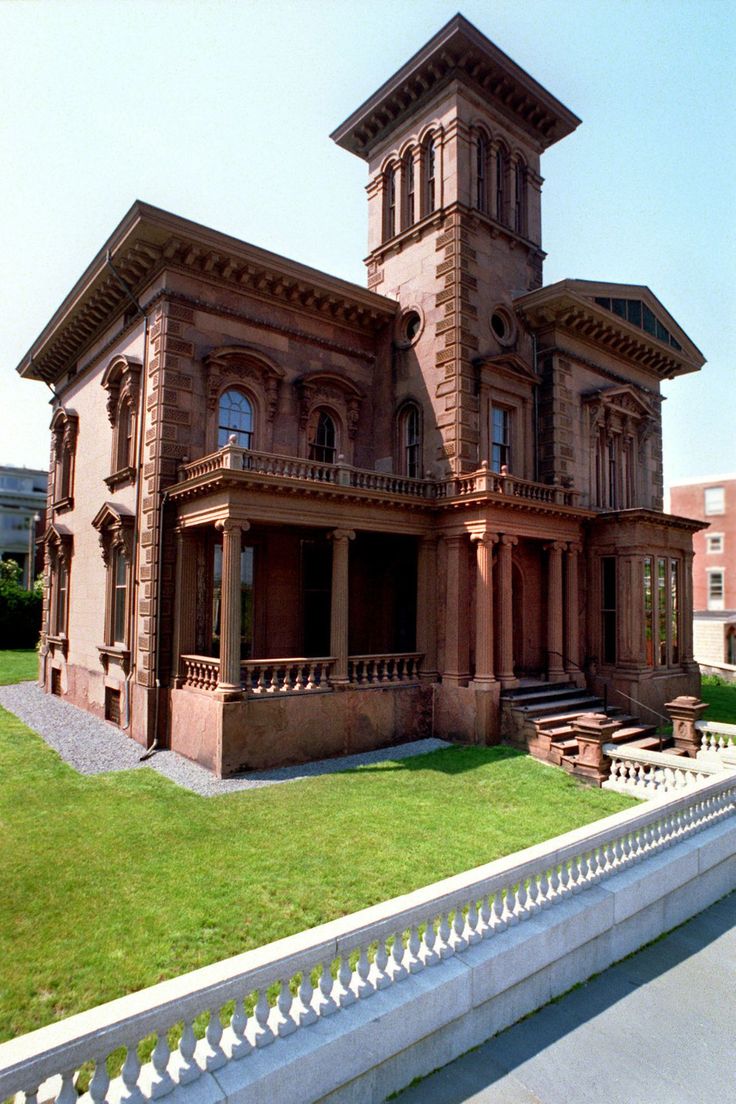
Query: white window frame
[714,543]
[711,509]
[716,603]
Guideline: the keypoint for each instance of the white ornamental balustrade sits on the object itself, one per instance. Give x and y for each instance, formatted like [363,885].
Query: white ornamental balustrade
[384,670]
[717,739]
[200,672]
[262,677]
[644,774]
[274,993]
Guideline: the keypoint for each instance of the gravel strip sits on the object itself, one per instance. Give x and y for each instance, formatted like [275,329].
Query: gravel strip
[92,746]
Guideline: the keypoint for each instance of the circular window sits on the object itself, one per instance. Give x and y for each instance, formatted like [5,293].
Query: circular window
[503,326]
[410,326]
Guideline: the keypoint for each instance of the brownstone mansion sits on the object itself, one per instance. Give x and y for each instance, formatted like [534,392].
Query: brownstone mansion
[290,517]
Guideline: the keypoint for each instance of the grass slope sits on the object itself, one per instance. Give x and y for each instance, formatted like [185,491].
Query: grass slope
[114,882]
[18,666]
[721,699]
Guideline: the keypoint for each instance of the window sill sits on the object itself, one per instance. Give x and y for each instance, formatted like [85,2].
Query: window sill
[118,653]
[120,478]
[58,643]
[63,504]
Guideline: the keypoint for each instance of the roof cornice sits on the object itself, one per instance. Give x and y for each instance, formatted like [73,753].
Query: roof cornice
[459,51]
[149,240]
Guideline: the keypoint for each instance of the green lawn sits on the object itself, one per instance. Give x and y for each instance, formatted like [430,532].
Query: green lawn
[114,882]
[721,698]
[18,666]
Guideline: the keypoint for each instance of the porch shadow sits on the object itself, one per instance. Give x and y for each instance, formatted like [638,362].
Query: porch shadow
[655,1027]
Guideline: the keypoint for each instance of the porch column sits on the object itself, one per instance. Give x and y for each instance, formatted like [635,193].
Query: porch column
[484,543]
[426,641]
[339,605]
[505,612]
[185,608]
[572,619]
[555,661]
[686,611]
[457,656]
[229,686]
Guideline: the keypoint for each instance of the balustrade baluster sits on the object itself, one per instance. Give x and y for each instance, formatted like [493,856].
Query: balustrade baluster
[545,889]
[532,903]
[414,958]
[216,1056]
[100,1082]
[485,927]
[565,881]
[299,681]
[262,1033]
[161,1081]
[393,664]
[274,684]
[381,976]
[472,932]
[498,921]
[30,1096]
[584,871]
[520,901]
[509,916]
[383,667]
[286,684]
[241,1045]
[398,970]
[129,1074]
[311,673]
[458,940]
[285,1023]
[187,1069]
[444,936]
[342,991]
[364,985]
[305,1012]
[326,1005]
[68,1093]
[554,885]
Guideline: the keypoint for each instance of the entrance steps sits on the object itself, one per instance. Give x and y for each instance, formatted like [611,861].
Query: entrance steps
[539,718]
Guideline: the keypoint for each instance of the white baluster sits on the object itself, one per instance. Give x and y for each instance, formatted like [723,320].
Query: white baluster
[472,932]
[241,1045]
[68,1093]
[326,1004]
[100,1082]
[262,1033]
[544,890]
[498,921]
[306,1013]
[299,681]
[285,1023]
[398,970]
[381,976]
[444,945]
[485,927]
[364,985]
[161,1082]
[275,681]
[187,1069]
[343,991]
[130,1073]
[431,955]
[215,1056]
[458,940]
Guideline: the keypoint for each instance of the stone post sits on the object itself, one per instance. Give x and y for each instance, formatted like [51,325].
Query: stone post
[505,612]
[555,661]
[592,731]
[456,637]
[572,619]
[185,608]
[339,605]
[685,711]
[229,687]
[484,542]
[426,641]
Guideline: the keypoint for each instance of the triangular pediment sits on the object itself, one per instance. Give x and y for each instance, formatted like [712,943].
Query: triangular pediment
[624,400]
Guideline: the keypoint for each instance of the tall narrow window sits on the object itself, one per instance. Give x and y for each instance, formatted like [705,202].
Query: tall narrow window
[648,612]
[389,185]
[715,588]
[501,174]
[124,457]
[323,446]
[411,441]
[481,177]
[235,419]
[662,617]
[519,198]
[408,179]
[674,611]
[612,475]
[62,598]
[608,608]
[430,169]
[119,597]
[500,438]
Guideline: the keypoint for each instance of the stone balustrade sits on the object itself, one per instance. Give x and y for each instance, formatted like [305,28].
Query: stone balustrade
[286,676]
[274,995]
[383,670]
[717,738]
[644,774]
[482,481]
[200,672]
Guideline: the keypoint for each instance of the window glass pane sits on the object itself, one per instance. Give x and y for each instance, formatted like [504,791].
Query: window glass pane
[500,438]
[608,581]
[235,417]
[714,500]
[324,446]
[246,601]
[674,611]
[119,594]
[662,609]
[648,612]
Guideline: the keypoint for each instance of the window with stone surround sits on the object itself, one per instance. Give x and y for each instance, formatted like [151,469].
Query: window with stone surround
[235,418]
[323,437]
[121,380]
[481,155]
[410,440]
[520,197]
[501,165]
[661,581]
[409,190]
[115,530]
[621,424]
[714,543]
[389,203]
[429,164]
[64,427]
[58,547]
[500,438]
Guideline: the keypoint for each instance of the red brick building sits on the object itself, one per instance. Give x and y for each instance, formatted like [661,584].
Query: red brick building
[292,517]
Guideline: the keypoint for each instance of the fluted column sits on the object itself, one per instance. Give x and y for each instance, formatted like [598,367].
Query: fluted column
[229,685]
[339,604]
[185,607]
[555,662]
[457,657]
[426,641]
[484,543]
[572,611]
[505,612]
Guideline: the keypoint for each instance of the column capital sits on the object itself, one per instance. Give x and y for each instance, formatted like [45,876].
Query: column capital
[555,546]
[454,538]
[574,548]
[508,540]
[486,537]
[229,525]
[342,535]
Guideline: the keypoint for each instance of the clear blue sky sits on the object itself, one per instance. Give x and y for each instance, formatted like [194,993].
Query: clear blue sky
[221,112]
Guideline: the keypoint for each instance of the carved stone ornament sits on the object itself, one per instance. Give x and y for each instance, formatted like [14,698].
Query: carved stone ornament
[331,389]
[121,379]
[234,365]
[59,545]
[115,530]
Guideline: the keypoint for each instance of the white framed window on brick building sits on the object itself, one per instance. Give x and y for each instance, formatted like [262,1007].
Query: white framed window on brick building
[714,501]
[715,588]
[714,543]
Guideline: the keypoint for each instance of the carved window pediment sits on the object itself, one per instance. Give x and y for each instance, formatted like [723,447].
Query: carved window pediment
[332,390]
[121,379]
[115,528]
[233,365]
[59,544]
[621,408]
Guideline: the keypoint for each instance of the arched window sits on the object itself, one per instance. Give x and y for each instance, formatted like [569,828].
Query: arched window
[407,172]
[410,436]
[125,437]
[520,197]
[430,171]
[323,446]
[501,185]
[481,173]
[389,195]
[235,418]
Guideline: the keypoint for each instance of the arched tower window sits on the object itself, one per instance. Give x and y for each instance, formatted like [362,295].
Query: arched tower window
[407,169]
[389,185]
[235,417]
[481,173]
[520,197]
[323,446]
[430,172]
[410,437]
[502,162]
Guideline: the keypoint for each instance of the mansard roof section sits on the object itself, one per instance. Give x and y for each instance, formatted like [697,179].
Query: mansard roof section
[149,240]
[578,307]
[459,51]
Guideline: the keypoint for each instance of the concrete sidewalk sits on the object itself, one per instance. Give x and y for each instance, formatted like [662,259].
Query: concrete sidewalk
[658,1028]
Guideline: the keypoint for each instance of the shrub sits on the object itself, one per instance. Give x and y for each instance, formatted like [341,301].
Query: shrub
[20,609]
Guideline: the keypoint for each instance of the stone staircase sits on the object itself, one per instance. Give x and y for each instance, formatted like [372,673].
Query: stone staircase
[539,717]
